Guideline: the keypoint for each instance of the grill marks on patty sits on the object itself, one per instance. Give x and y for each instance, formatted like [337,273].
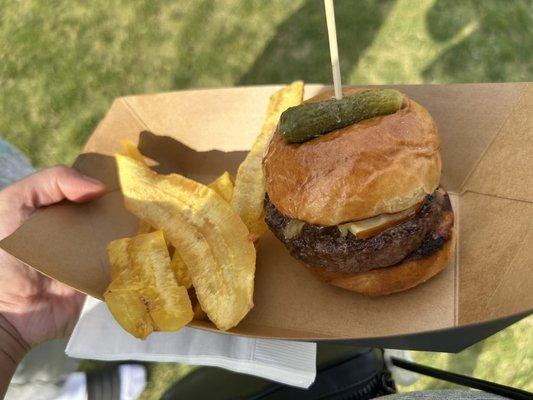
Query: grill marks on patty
[435,239]
[325,246]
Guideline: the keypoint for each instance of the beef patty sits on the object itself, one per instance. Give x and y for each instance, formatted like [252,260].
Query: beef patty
[325,246]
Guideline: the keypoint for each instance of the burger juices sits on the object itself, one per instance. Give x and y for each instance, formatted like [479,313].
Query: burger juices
[353,191]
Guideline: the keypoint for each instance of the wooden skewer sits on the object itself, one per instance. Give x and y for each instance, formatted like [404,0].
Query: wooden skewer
[333,50]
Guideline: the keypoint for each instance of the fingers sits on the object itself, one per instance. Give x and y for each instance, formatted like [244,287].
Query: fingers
[53,185]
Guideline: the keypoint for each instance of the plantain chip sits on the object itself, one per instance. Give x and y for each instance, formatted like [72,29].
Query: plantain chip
[144,294]
[209,236]
[127,306]
[180,271]
[130,150]
[223,185]
[119,258]
[168,304]
[144,228]
[130,312]
[249,191]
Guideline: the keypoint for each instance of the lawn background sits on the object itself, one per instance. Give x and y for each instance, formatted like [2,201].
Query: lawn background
[63,62]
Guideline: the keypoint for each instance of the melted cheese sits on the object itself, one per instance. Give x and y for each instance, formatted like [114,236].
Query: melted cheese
[369,227]
[293,228]
[362,229]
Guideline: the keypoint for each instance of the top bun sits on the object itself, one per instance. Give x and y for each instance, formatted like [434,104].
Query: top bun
[380,165]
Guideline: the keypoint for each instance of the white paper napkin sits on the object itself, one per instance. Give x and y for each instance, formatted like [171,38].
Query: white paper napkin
[97,336]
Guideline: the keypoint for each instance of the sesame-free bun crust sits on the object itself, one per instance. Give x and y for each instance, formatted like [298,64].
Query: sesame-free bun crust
[396,278]
[380,165]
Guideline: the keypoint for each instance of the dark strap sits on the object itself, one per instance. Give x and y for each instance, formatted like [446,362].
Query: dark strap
[475,383]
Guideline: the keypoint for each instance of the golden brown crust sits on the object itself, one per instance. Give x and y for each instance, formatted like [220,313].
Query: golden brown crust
[400,277]
[380,165]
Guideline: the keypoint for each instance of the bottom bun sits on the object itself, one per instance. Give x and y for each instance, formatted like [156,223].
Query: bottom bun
[397,278]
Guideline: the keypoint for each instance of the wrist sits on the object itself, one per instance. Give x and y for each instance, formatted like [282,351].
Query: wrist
[12,350]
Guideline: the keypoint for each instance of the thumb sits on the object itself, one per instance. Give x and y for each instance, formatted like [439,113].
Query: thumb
[53,185]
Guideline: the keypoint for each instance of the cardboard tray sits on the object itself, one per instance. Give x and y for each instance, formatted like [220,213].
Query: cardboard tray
[487,153]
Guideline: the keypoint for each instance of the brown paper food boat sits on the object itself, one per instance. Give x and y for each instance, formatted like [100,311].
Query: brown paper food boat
[487,152]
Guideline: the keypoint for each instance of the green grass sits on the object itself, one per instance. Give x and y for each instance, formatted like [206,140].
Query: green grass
[506,358]
[63,62]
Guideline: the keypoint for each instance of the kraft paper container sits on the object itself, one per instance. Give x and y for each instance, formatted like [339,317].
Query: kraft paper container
[487,153]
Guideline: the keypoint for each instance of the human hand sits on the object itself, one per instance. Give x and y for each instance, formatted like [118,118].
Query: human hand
[37,307]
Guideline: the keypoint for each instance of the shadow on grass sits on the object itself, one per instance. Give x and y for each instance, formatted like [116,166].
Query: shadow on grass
[191,68]
[300,50]
[498,50]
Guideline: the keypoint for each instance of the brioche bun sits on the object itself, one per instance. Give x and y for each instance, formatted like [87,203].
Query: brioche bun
[380,165]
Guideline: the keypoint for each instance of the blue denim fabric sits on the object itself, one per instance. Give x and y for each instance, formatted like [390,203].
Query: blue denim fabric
[4,147]
[13,164]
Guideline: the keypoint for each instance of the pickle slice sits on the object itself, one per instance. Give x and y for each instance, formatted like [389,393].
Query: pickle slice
[309,120]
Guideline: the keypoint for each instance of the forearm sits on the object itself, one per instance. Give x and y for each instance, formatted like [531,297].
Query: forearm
[12,350]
